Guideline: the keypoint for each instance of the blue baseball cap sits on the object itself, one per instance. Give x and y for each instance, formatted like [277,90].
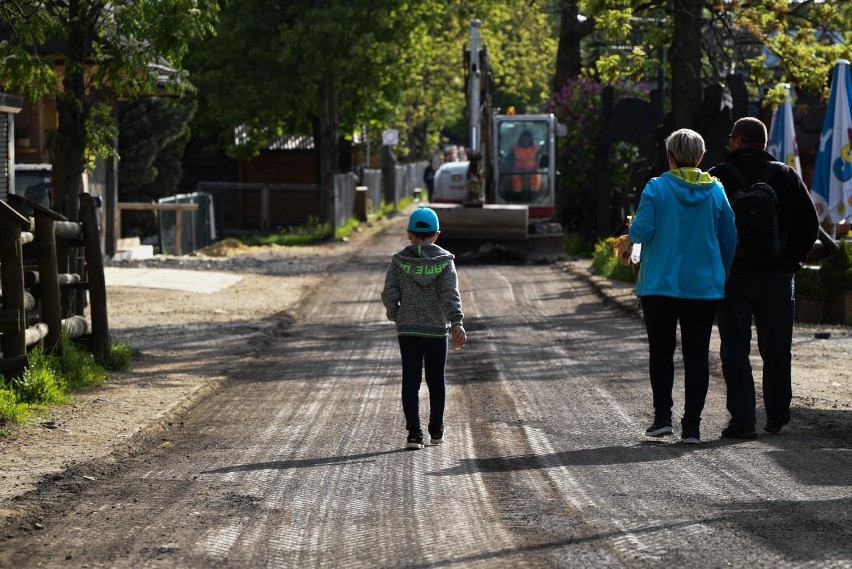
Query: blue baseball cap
[423,220]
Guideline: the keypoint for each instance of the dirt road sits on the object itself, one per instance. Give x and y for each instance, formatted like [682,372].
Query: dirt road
[292,455]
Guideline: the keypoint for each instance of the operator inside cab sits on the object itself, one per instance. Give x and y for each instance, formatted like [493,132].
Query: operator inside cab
[526,157]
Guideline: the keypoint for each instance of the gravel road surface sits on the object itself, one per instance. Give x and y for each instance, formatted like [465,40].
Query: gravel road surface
[261,427]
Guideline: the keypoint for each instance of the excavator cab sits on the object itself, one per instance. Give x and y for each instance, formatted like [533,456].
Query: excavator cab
[524,162]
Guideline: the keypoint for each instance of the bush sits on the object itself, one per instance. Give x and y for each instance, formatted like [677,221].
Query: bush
[836,270]
[809,283]
[577,246]
[605,264]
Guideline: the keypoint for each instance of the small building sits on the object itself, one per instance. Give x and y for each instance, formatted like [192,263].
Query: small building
[10,105]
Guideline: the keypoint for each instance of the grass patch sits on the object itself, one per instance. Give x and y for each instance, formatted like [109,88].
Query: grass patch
[41,383]
[119,357]
[12,410]
[316,232]
[49,379]
[311,232]
[343,231]
[385,209]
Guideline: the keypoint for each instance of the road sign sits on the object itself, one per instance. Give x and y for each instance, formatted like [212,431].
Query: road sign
[390,137]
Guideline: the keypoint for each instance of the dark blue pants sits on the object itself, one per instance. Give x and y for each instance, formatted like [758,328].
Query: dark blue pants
[768,298]
[420,353]
[662,314]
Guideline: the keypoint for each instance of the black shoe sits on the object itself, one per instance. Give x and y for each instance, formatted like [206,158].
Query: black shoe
[739,432]
[436,435]
[690,436]
[659,428]
[415,440]
[774,427]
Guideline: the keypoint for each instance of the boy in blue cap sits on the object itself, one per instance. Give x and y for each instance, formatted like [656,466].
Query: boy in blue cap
[421,295]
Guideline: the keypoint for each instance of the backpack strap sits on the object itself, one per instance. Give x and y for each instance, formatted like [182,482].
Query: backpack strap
[735,172]
[771,169]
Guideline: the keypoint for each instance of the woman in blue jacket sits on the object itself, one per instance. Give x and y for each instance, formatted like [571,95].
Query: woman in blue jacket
[686,228]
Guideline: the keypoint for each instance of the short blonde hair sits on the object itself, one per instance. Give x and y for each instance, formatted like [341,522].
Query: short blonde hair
[686,147]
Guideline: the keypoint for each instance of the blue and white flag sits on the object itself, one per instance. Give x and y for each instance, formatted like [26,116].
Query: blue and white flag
[832,182]
[782,136]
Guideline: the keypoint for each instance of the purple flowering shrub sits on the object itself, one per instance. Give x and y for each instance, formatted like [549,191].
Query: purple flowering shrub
[579,106]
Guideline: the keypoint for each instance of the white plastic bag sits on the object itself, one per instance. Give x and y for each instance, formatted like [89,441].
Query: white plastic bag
[636,253]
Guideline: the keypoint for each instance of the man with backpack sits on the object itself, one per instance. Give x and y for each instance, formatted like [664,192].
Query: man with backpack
[777,225]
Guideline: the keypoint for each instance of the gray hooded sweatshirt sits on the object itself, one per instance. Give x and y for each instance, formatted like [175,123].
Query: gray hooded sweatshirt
[421,292]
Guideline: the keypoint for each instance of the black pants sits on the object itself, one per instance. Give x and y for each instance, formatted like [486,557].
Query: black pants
[419,353]
[768,298]
[662,314]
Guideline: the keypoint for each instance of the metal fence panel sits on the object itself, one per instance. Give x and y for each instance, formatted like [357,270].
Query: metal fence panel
[373,180]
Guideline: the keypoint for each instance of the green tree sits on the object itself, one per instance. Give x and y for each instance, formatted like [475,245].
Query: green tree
[521,43]
[320,67]
[153,133]
[708,39]
[109,50]
[383,64]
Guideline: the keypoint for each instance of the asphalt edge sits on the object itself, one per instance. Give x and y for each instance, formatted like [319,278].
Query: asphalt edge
[618,294]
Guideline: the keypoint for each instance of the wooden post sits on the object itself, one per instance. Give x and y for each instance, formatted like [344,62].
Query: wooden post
[361,209]
[44,249]
[178,232]
[13,343]
[51,307]
[95,278]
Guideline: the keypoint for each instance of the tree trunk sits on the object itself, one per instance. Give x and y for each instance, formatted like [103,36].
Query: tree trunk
[326,140]
[685,61]
[569,61]
[72,107]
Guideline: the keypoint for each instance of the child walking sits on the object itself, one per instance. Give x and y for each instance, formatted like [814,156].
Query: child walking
[421,295]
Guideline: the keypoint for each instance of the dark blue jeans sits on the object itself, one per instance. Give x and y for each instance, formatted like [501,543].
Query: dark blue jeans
[419,353]
[768,298]
[662,314]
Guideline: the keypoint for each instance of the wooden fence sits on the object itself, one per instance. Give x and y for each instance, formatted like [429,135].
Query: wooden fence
[180,209]
[39,297]
[266,207]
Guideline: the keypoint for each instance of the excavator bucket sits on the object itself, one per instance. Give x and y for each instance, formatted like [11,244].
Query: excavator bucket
[497,232]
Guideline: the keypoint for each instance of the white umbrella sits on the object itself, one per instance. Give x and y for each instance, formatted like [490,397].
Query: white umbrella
[782,136]
[832,182]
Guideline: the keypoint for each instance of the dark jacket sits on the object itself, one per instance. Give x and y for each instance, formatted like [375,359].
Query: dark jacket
[798,216]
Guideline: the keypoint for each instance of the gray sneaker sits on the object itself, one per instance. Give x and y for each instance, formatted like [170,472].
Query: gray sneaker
[690,436]
[660,428]
[415,440]
[436,435]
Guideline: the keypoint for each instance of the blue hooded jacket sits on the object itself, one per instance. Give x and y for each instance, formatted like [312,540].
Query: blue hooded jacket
[688,235]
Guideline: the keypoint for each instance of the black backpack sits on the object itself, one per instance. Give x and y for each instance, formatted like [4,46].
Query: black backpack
[760,240]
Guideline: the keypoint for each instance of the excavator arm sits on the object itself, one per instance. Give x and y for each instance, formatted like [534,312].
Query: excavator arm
[478,95]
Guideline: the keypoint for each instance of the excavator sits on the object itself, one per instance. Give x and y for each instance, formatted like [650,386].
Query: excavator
[500,202]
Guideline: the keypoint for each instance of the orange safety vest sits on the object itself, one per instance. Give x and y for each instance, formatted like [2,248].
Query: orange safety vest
[526,157]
